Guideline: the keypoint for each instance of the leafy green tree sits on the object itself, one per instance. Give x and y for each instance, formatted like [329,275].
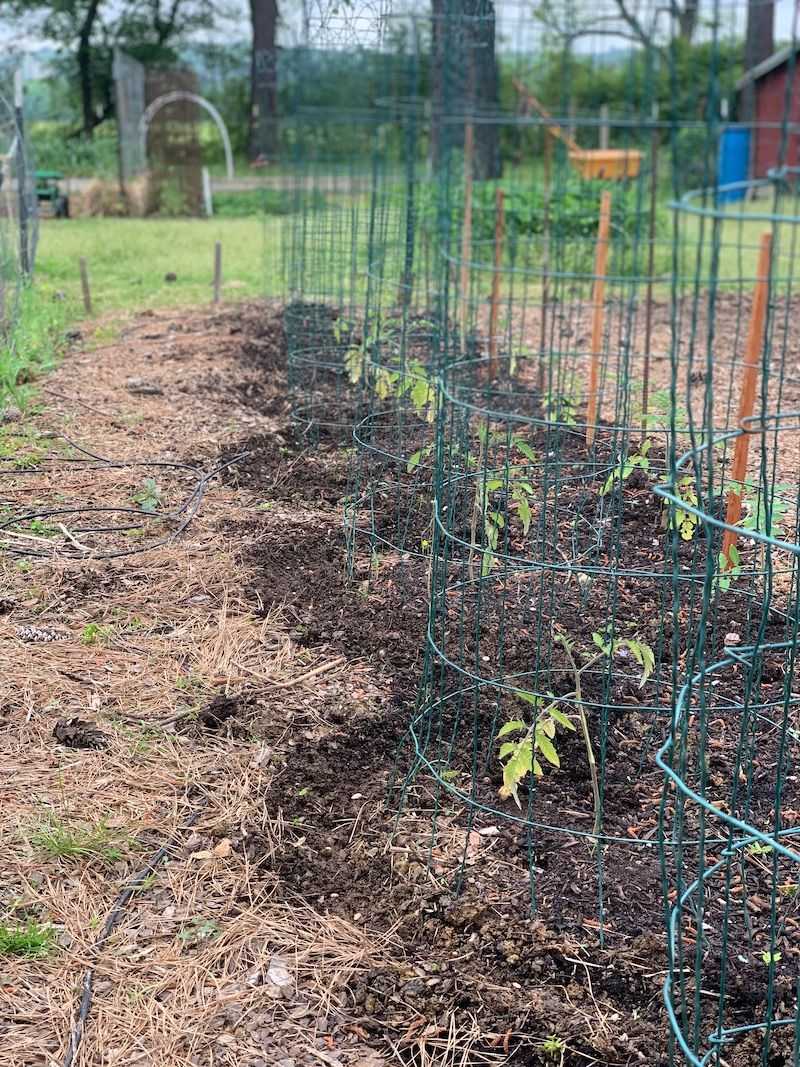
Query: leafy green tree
[86,32]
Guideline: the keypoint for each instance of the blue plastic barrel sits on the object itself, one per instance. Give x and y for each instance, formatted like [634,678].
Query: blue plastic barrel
[732,166]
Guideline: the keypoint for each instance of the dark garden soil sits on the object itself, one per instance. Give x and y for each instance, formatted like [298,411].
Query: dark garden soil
[503,929]
[252,696]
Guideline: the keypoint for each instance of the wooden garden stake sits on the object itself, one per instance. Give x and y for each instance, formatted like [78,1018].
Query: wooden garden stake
[466,233]
[217,270]
[747,397]
[598,314]
[494,313]
[87,296]
[208,199]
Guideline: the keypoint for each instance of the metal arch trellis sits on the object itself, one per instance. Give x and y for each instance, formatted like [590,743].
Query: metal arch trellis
[174,97]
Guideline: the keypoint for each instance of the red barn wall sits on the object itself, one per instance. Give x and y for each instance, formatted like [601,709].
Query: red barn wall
[770,106]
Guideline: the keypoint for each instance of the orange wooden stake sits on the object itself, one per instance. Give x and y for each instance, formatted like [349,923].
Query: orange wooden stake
[747,397]
[598,314]
[494,313]
[466,233]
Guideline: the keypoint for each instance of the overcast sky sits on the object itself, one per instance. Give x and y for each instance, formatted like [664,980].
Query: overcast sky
[347,24]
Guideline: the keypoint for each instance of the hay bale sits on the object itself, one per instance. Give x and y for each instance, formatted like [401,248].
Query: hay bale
[102,199]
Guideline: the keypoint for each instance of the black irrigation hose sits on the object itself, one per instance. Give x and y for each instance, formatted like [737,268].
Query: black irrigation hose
[87,985]
[181,516]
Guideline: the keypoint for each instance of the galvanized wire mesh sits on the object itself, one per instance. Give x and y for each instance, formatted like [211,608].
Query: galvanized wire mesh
[18,214]
[129,99]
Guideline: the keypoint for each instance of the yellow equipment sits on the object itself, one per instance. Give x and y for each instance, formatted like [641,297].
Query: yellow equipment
[611,164]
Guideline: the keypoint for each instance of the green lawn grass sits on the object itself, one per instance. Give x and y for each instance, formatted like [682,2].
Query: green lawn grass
[128,260]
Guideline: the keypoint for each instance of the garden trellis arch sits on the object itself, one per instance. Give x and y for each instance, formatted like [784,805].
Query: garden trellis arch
[182,94]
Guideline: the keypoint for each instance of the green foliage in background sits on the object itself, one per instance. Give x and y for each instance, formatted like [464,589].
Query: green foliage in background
[53,149]
[237,205]
[572,214]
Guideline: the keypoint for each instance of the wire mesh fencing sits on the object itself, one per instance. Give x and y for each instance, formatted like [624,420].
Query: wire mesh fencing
[18,211]
[130,102]
[562,353]
[728,813]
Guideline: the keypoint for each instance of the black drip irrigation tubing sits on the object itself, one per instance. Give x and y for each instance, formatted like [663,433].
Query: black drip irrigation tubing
[116,913]
[180,517]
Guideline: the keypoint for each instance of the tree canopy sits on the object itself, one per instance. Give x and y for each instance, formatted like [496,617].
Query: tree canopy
[87,31]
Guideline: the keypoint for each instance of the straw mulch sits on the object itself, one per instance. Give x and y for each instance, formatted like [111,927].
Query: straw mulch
[185,696]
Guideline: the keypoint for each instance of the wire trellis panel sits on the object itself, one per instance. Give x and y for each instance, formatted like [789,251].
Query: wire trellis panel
[18,206]
[129,96]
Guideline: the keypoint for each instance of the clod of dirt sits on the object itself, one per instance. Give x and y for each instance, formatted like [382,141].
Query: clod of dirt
[170,276]
[79,733]
[215,714]
[139,387]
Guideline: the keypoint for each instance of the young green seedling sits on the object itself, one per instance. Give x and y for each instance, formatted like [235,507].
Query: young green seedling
[514,487]
[685,522]
[149,496]
[635,460]
[561,408]
[521,758]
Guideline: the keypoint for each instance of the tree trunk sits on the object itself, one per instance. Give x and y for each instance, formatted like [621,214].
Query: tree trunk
[759,44]
[438,36]
[484,90]
[687,19]
[85,68]
[264,80]
[464,81]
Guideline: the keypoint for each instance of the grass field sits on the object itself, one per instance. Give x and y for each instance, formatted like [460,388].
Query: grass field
[128,261]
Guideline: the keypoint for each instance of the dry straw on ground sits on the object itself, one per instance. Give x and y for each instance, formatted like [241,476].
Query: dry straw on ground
[212,961]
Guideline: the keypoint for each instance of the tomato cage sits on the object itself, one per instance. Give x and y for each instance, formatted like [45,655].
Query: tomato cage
[388,508]
[388,505]
[341,159]
[728,817]
[551,659]
[324,315]
[429,307]
[566,596]
[729,809]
